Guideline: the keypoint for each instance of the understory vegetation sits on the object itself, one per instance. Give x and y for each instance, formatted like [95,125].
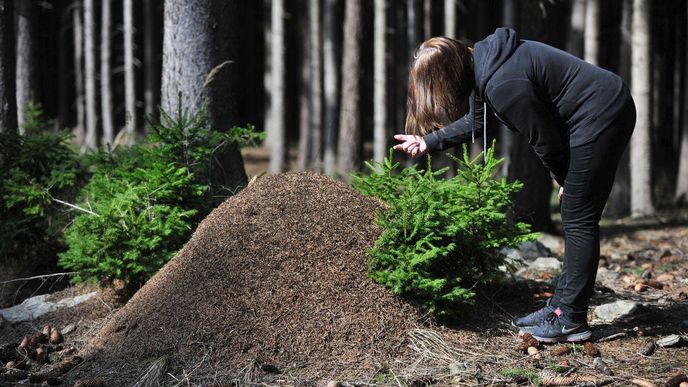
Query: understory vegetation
[441,237]
[118,213]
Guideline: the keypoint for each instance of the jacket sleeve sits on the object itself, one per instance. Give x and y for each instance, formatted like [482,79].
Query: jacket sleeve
[460,131]
[518,102]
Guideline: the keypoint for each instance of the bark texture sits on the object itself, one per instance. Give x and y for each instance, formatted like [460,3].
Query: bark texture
[129,87]
[641,194]
[348,147]
[8,104]
[200,51]
[105,88]
[277,104]
[27,79]
[330,86]
[91,139]
[380,82]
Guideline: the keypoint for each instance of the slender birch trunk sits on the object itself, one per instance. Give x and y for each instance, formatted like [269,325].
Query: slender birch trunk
[592,31]
[576,40]
[78,27]
[277,143]
[330,87]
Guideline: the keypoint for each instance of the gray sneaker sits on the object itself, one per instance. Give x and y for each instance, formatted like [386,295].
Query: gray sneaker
[556,328]
[530,321]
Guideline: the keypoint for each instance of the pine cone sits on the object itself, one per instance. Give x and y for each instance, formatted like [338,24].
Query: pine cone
[590,349]
[561,351]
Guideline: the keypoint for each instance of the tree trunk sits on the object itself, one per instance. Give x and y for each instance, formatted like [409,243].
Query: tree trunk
[348,147]
[27,78]
[330,86]
[129,87]
[64,101]
[619,203]
[91,140]
[8,96]
[304,87]
[78,27]
[311,127]
[592,31]
[681,194]
[641,188]
[151,66]
[506,136]
[380,81]
[531,204]
[277,104]
[105,89]
[427,19]
[450,18]
[267,76]
[575,43]
[200,36]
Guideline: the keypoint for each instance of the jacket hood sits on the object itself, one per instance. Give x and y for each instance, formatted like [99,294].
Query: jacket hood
[490,53]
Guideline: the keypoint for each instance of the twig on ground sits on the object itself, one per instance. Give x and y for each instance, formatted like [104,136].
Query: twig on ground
[154,373]
[615,336]
[37,277]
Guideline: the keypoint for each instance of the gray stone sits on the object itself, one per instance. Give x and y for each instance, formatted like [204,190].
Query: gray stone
[552,242]
[534,249]
[616,310]
[607,276]
[546,264]
[68,329]
[35,307]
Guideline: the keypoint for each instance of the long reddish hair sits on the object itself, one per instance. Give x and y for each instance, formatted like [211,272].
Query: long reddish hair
[440,80]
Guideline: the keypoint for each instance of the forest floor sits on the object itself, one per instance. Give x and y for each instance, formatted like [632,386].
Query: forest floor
[645,262]
[483,349]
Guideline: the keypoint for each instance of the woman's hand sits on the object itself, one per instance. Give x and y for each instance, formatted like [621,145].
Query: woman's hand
[561,194]
[414,146]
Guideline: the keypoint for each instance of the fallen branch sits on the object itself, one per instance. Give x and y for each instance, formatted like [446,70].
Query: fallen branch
[38,277]
[615,336]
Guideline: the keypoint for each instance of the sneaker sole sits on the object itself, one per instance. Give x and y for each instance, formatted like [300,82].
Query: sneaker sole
[572,338]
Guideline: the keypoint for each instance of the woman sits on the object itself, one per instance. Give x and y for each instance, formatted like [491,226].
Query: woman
[578,118]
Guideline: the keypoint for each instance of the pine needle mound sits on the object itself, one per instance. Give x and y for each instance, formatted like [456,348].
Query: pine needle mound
[274,278]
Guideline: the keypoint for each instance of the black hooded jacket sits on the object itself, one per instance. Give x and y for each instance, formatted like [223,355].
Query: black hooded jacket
[557,99]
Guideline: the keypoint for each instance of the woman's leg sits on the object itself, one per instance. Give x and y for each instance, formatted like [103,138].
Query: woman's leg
[588,183]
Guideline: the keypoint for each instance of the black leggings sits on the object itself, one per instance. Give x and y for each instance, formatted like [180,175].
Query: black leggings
[588,182]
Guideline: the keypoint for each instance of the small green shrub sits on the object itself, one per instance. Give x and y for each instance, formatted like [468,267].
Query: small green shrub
[143,202]
[441,236]
[37,168]
[517,372]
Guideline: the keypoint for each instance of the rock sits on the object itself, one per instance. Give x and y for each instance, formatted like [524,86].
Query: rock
[546,264]
[456,369]
[534,249]
[649,348]
[532,351]
[35,307]
[68,329]
[607,276]
[665,277]
[601,366]
[552,242]
[616,310]
[671,341]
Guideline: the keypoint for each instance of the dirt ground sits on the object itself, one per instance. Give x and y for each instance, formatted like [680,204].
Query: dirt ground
[643,261]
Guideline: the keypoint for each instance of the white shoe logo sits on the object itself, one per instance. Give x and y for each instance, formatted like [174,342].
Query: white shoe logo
[565,331]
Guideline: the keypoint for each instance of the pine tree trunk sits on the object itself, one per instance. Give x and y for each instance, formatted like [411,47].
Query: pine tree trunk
[64,70]
[151,47]
[267,76]
[450,18]
[316,86]
[129,87]
[199,37]
[619,203]
[277,103]
[105,89]
[427,19]
[330,86]
[91,140]
[27,77]
[532,202]
[592,31]
[380,81]
[349,144]
[576,40]
[506,136]
[78,27]
[8,104]
[641,192]
[304,88]
[681,194]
